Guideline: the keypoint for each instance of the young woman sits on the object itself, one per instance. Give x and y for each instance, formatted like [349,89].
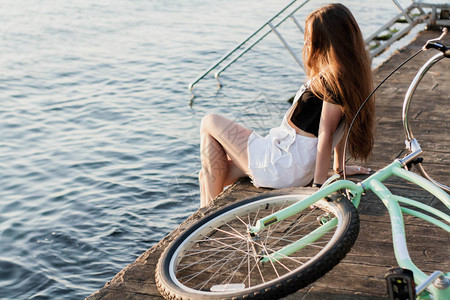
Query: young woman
[299,151]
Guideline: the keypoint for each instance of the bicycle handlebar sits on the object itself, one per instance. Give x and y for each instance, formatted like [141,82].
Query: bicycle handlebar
[436,44]
[439,46]
[411,142]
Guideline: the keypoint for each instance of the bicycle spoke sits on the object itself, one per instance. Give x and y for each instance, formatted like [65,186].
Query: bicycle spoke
[271,262]
[224,260]
[255,219]
[248,266]
[186,266]
[213,251]
[290,228]
[242,221]
[232,228]
[217,271]
[207,239]
[223,248]
[236,269]
[239,236]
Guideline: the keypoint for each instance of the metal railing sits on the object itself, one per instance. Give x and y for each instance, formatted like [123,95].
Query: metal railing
[377,43]
[271,28]
[410,16]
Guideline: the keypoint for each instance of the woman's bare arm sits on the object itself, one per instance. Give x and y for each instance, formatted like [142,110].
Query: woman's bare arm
[338,164]
[329,121]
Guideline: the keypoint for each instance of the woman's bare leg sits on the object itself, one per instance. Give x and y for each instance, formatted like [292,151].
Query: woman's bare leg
[220,139]
[214,167]
[234,173]
[202,188]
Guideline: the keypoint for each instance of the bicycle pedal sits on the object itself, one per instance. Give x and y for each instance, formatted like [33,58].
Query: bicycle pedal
[400,284]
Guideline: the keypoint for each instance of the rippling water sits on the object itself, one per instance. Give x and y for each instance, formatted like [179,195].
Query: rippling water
[99,147]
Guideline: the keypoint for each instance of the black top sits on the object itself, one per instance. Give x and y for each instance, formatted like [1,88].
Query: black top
[306,115]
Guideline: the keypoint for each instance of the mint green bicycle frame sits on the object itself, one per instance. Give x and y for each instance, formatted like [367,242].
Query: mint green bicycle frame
[373,183]
[392,202]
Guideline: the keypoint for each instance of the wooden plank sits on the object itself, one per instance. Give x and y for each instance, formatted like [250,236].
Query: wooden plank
[361,274]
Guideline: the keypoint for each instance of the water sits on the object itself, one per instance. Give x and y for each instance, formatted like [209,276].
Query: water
[99,149]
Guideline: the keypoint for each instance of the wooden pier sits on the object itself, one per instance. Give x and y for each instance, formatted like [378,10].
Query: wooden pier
[361,274]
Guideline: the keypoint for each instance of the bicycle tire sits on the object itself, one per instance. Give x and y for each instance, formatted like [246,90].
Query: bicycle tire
[175,281]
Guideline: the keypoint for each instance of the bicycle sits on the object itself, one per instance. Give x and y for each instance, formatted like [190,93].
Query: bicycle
[269,246]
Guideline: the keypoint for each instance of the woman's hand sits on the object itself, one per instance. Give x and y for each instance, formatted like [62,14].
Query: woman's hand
[356,170]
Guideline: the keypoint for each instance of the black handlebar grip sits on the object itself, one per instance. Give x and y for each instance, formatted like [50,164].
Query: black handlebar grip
[438,46]
[435,45]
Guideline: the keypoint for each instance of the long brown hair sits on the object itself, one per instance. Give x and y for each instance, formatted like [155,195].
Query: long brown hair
[338,65]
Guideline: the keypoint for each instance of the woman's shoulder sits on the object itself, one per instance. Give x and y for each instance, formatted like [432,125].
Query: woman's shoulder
[325,90]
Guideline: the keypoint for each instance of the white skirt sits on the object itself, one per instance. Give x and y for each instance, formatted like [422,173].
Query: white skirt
[273,163]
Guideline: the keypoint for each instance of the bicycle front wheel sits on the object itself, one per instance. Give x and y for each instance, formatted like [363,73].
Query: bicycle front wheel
[217,259]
